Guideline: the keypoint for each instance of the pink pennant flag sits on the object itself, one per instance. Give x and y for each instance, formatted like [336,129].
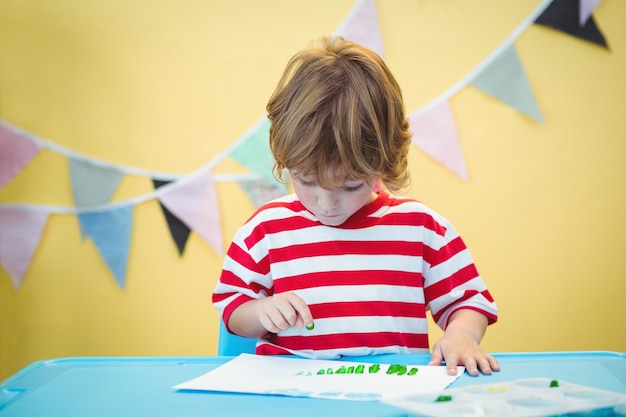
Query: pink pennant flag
[16,151]
[20,234]
[195,203]
[434,131]
[586,8]
[361,26]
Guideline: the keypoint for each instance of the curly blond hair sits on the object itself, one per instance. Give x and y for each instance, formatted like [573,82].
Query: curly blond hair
[337,105]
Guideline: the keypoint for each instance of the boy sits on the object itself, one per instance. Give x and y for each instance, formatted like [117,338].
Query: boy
[342,267]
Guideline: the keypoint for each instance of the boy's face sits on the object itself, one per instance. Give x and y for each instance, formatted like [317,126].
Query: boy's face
[333,207]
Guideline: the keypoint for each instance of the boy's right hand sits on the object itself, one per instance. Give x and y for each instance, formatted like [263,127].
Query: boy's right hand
[282,311]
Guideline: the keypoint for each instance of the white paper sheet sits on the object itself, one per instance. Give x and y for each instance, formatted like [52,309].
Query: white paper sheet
[296,377]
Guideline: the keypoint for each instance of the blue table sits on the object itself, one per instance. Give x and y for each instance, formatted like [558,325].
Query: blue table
[141,386]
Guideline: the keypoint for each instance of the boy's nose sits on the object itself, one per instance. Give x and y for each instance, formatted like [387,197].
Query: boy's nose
[327,199]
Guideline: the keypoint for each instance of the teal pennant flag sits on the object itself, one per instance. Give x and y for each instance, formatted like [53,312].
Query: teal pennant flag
[254,152]
[92,185]
[111,231]
[505,80]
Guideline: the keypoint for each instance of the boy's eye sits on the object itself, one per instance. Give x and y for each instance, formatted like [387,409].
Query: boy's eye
[352,188]
[306,183]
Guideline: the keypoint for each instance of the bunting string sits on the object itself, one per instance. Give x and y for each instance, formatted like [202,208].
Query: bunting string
[189,200]
[508,42]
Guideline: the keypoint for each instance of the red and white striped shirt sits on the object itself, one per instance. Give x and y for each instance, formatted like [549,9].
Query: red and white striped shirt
[368,282]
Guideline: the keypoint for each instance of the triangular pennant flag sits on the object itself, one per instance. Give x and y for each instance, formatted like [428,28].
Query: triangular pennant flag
[20,234]
[434,131]
[254,151]
[505,80]
[195,203]
[586,8]
[564,15]
[110,231]
[92,185]
[261,191]
[178,229]
[361,26]
[16,151]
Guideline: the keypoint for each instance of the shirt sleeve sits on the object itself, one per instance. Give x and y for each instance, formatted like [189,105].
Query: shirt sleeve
[244,277]
[451,280]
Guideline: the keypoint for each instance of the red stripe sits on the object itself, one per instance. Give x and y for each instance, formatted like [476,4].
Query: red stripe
[345,247]
[334,278]
[241,257]
[446,252]
[352,340]
[445,286]
[228,278]
[413,219]
[278,225]
[367,308]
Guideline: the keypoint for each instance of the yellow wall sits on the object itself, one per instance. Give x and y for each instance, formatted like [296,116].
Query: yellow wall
[166,86]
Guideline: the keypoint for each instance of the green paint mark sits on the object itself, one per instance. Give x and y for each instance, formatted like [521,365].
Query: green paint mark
[443,398]
[374,368]
[554,383]
[310,326]
[396,369]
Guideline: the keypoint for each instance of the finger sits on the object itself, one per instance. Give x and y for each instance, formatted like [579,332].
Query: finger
[436,357]
[485,366]
[471,367]
[493,363]
[284,314]
[303,312]
[268,324]
[451,365]
[278,319]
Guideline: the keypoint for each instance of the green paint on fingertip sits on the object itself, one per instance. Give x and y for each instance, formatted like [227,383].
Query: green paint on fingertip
[310,326]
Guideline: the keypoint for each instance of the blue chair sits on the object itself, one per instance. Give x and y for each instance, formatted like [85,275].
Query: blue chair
[229,344]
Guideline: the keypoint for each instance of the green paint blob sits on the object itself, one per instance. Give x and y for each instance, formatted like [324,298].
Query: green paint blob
[374,368]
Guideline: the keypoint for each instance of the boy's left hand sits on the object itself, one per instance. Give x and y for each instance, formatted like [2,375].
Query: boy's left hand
[456,351]
[460,345]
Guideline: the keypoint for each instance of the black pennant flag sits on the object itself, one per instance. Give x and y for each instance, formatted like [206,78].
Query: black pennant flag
[178,229]
[563,15]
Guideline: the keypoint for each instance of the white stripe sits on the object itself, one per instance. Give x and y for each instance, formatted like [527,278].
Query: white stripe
[363,324]
[245,274]
[478,301]
[383,233]
[347,293]
[318,264]
[449,267]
